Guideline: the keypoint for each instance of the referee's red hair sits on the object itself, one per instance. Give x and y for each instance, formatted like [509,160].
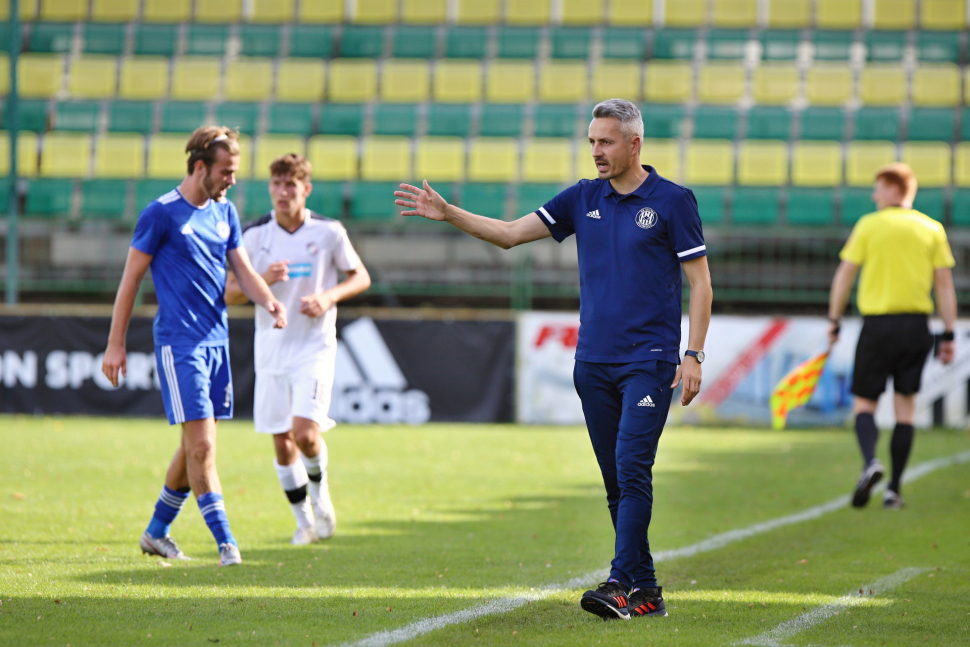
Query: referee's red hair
[901,176]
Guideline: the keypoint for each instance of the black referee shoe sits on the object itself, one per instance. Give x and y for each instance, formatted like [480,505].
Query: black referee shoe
[872,475]
[647,602]
[608,601]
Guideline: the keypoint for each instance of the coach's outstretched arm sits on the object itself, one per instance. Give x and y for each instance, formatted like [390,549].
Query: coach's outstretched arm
[429,204]
[699,314]
[115,358]
[254,286]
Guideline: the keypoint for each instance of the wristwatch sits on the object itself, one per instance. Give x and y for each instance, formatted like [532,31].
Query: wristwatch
[696,354]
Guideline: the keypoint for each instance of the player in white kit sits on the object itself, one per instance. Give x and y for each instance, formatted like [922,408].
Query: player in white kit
[299,254]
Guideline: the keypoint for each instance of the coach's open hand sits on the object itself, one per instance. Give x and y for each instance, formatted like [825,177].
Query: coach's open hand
[690,372]
[314,305]
[278,310]
[424,202]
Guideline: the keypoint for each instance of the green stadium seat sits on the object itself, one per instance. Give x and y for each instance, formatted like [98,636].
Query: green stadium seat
[148,190]
[529,197]
[726,44]
[960,208]
[833,45]
[501,120]
[182,116]
[415,42]
[823,123]
[32,115]
[964,125]
[256,198]
[939,47]
[362,42]
[755,206]
[518,42]
[662,121]
[373,201]
[51,37]
[674,43]
[206,40]
[327,199]
[311,41]
[877,123]
[104,38]
[856,202]
[484,199]
[244,116]
[555,120]
[449,120]
[4,37]
[710,204]
[342,119]
[885,46]
[82,116]
[624,43]
[715,122]
[396,119]
[811,207]
[290,119]
[5,195]
[769,122]
[931,124]
[131,116]
[156,40]
[104,199]
[571,42]
[49,198]
[780,45]
[466,42]
[932,202]
[260,40]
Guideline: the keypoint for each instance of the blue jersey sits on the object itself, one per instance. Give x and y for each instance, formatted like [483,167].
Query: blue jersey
[188,246]
[630,250]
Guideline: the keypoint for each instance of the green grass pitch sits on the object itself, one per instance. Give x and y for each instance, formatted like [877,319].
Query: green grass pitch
[441,518]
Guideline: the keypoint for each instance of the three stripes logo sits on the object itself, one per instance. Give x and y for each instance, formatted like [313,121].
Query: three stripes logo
[595,214]
[646,402]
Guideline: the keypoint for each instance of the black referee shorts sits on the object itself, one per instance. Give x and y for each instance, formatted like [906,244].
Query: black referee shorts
[891,345]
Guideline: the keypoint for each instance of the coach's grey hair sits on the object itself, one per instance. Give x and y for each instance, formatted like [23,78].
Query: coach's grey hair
[631,122]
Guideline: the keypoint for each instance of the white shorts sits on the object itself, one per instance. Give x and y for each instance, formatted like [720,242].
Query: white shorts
[281,397]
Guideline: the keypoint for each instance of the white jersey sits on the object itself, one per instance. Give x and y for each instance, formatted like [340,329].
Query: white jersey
[314,253]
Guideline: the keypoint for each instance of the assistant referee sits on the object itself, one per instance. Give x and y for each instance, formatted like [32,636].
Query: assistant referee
[903,255]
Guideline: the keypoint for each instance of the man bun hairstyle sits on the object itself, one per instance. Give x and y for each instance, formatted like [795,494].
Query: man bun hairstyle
[631,121]
[901,176]
[293,165]
[205,141]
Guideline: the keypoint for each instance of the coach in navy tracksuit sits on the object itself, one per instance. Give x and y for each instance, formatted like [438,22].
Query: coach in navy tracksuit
[634,231]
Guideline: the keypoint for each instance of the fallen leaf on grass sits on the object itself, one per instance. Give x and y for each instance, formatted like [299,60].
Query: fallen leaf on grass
[355,614]
[803,561]
[20,496]
[163,564]
[103,549]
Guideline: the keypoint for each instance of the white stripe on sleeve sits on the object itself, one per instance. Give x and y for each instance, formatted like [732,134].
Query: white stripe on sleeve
[545,213]
[691,251]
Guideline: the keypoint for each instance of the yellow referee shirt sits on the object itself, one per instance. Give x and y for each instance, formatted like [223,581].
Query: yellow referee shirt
[898,250]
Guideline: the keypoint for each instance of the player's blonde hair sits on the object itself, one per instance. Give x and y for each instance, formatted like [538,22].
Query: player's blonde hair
[293,165]
[902,177]
[206,140]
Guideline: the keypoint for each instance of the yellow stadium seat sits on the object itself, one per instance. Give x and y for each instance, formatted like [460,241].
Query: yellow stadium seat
[166,10]
[863,159]
[943,14]
[93,77]
[196,78]
[930,162]
[527,12]
[894,14]
[4,74]
[493,159]
[376,12]
[882,85]
[245,157]
[686,13]
[114,10]
[269,147]
[816,163]
[321,11]
[405,81]
[273,11]
[63,10]
[424,12]
[663,155]
[386,158]
[563,82]
[828,85]
[633,13]
[763,163]
[709,161]
[457,81]
[300,80]
[735,13]
[26,154]
[28,10]
[936,85]
[668,82]
[617,79]
[838,14]
[479,12]
[721,83]
[547,160]
[585,168]
[352,80]
[144,77]
[39,75]
[166,156]
[66,155]
[249,79]
[789,14]
[961,164]
[510,81]
[218,11]
[119,155]
[334,158]
[440,158]
[775,84]
[582,12]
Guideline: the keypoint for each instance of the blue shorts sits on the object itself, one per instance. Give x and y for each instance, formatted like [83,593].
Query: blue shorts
[196,382]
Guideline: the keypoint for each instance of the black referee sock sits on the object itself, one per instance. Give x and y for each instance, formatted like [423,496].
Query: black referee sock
[867,433]
[900,447]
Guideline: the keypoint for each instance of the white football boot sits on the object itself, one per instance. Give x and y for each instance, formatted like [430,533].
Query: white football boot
[304,537]
[229,554]
[324,517]
[161,546]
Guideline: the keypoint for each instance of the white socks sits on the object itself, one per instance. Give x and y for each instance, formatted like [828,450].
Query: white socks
[293,479]
[316,469]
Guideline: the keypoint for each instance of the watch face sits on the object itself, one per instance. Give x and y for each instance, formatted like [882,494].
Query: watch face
[700,357]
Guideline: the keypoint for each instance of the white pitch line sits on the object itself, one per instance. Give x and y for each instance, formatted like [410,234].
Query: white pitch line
[504,605]
[784,631]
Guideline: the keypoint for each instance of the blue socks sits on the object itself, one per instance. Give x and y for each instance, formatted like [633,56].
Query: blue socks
[169,504]
[214,512]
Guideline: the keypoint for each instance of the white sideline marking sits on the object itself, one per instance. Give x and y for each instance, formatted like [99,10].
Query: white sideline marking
[504,605]
[786,630]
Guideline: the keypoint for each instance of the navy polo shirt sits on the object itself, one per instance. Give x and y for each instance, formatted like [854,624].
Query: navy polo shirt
[630,250]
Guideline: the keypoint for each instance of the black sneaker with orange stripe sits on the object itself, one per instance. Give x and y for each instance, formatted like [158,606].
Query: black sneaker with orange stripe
[647,602]
[608,601]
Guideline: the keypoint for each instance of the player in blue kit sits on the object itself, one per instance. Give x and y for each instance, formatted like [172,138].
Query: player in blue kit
[635,232]
[186,236]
